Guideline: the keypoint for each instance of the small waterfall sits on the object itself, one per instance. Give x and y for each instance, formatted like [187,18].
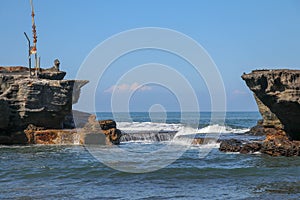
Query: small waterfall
[149,136]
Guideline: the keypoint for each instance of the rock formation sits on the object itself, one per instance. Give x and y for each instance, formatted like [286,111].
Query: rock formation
[89,134]
[277,93]
[274,145]
[39,135]
[234,145]
[94,132]
[44,101]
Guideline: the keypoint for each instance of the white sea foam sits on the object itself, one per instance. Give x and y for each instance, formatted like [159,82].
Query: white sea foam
[215,128]
[150,132]
[135,127]
[148,127]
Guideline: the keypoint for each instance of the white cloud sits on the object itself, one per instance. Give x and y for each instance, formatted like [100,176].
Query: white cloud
[127,88]
[239,92]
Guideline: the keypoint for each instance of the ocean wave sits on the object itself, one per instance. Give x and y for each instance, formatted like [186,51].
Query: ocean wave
[138,127]
[148,127]
[216,128]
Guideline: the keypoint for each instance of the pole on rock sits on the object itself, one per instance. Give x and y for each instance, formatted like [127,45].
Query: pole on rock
[29,53]
[33,48]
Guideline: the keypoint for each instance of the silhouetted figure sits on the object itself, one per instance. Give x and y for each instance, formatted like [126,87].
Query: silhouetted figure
[56,65]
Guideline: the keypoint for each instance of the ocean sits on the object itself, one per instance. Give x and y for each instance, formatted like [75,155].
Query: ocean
[154,161]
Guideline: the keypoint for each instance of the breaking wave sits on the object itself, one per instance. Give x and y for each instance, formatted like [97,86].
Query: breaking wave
[142,127]
[222,129]
[159,132]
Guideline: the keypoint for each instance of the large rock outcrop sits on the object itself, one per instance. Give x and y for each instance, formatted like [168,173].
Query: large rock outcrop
[277,93]
[43,100]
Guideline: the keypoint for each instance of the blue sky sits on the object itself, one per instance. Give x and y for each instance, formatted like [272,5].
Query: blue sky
[238,35]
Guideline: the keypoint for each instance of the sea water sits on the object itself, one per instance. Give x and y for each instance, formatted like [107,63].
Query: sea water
[198,172]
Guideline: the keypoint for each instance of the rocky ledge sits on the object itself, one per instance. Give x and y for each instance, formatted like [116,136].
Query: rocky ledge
[43,99]
[94,132]
[277,93]
[37,109]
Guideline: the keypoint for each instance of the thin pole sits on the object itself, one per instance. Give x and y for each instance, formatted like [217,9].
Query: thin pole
[29,54]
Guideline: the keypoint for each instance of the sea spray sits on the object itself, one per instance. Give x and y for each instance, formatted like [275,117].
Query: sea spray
[157,132]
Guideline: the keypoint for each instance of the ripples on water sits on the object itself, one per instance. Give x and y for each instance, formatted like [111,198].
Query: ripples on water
[71,172]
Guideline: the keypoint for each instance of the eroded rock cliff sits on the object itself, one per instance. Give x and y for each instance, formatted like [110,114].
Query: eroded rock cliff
[277,93]
[44,100]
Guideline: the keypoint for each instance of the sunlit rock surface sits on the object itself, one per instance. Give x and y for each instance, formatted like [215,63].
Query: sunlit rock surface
[277,94]
[44,101]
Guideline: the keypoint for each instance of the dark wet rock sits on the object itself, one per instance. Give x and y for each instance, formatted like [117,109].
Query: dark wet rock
[279,147]
[244,147]
[251,147]
[257,130]
[273,145]
[107,124]
[232,145]
[12,137]
[4,110]
[52,75]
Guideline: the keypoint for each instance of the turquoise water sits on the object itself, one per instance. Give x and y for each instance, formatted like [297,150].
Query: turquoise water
[72,172]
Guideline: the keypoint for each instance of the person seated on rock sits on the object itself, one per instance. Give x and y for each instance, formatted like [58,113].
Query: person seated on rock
[56,65]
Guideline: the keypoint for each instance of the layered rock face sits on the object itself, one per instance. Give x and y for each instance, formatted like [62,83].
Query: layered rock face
[277,93]
[44,101]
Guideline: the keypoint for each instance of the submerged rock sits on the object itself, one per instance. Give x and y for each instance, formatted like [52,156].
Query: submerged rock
[232,145]
[244,147]
[250,147]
